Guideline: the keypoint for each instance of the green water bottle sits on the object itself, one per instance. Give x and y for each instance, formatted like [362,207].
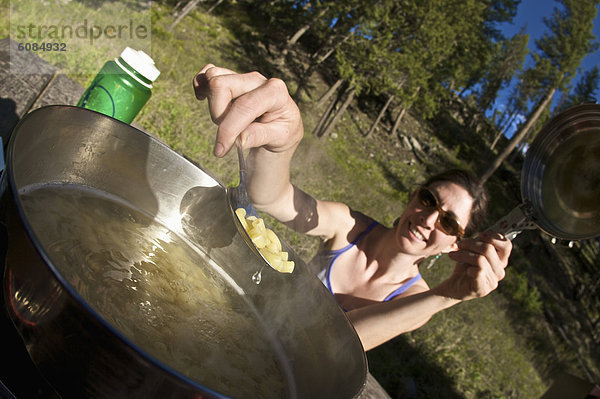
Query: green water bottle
[122,86]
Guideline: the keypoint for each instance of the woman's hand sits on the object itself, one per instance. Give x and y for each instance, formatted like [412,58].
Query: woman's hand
[480,266]
[257,109]
[261,113]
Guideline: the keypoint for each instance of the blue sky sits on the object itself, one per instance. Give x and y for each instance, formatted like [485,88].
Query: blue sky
[530,15]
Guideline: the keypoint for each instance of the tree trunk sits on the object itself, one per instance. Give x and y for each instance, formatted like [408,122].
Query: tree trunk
[510,119]
[294,39]
[324,56]
[185,11]
[504,128]
[381,113]
[496,139]
[291,41]
[518,136]
[331,90]
[308,73]
[316,60]
[214,6]
[397,121]
[303,29]
[325,117]
[340,112]
[473,120]
[176,9]
[330,47]
[403,112]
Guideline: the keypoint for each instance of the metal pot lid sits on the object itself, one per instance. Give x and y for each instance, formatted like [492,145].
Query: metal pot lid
[560,179]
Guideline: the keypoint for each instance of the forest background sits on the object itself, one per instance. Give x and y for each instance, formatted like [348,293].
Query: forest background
[390,92]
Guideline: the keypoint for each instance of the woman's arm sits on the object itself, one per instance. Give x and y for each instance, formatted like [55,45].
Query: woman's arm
[480,266]
[262,115]
[380,322]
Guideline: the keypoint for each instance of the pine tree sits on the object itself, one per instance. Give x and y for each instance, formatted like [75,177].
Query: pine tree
[364,60]
[507,60]
[495,12]
[559,53]
[586,90]
[499,11]
[424,47]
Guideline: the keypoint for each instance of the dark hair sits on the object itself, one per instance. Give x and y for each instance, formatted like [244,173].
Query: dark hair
[476,190]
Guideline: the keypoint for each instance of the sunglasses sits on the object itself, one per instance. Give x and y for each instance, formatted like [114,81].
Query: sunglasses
[446,222]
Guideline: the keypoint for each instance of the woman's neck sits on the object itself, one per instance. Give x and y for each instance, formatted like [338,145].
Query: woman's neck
[395,265]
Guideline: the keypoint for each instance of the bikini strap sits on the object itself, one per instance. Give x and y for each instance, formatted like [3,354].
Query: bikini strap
[400,290]
[365,232]
[336,253]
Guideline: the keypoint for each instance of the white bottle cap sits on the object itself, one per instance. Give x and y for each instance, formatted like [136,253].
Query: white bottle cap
[141,62]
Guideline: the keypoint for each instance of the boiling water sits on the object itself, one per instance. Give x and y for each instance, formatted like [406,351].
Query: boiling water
[155,289]
[571,184]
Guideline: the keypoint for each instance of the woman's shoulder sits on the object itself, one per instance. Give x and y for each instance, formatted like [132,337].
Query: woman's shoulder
[348,231]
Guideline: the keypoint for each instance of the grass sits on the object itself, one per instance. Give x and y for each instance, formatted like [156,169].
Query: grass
[496,347]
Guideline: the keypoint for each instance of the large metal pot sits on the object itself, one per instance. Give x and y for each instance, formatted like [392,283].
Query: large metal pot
[560,179]
[83,355]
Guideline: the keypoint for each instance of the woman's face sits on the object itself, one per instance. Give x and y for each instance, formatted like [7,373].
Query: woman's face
[417,232]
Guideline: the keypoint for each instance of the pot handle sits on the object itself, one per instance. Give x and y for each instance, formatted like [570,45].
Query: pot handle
[517,220]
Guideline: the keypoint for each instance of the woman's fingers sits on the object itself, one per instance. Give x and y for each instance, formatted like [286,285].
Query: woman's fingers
[200,83]
[483,260]
[257,109]
[221,86]
[201,80]
[502,244]
[265,116]
[250,103]
[487,250]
